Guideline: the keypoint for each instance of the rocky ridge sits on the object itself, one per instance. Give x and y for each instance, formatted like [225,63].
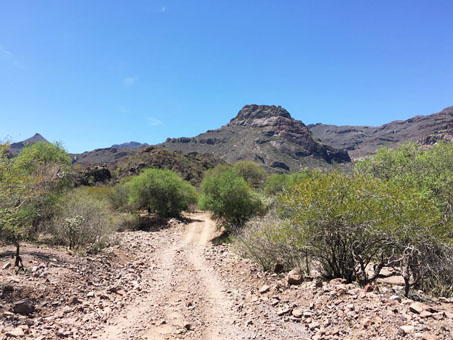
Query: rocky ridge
[361,141]
[265,134]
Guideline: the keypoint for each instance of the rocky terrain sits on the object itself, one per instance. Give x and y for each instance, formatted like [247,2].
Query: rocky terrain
[265,134]
[361,141]
[172,283]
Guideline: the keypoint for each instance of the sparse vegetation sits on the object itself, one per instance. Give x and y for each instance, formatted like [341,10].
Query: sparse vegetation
[228,196]
[162,192]
[81,221]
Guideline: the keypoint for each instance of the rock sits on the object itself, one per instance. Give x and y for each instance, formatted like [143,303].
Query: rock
[6,265]
[426,314]
[318,284]
[16,333]
[278,268]
[368,288]
[294,277]
[395,298]
[23,307]
[416,308]
[428,336]
[283,311]
[74,301]
[264,289]
[90,295]
[187,326]
[297,312]
[438,316]
[406,329]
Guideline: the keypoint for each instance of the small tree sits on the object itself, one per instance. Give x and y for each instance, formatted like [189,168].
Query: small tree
[48,164]
[15,191]
[229,197]
[161,191]
[251,172]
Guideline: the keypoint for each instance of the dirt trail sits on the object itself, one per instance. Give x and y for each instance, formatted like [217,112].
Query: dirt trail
[186,298]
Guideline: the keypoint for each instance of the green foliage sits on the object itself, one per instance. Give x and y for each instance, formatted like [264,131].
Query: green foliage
[229,197]
[430,172]
[281,182]
[48,165]
[350,222]
[119,196]
[251,172]
[161,191]
[15,190]
[32,156]
[81,221]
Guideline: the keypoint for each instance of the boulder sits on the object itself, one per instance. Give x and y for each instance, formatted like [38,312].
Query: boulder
[294,277]
[24,307]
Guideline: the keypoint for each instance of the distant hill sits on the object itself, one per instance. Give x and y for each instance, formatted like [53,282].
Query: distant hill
[361,141]
[265,134]
[107,156]
[128,145]
[16,147]
[190,166]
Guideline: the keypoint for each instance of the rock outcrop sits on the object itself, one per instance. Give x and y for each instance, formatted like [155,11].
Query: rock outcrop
[265,134]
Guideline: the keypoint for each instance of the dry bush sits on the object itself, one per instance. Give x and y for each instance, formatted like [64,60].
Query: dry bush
[269,240]
[81,221]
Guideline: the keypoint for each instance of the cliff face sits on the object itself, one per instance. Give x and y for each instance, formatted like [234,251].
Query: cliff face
[266,134]
[361,141]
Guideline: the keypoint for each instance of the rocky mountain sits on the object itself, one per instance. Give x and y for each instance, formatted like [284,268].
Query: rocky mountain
[128,145]
[107,156]
[267,135]
[361,141]
[16,147]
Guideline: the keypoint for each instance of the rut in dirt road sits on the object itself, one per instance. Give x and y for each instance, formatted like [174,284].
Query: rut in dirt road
[186,298]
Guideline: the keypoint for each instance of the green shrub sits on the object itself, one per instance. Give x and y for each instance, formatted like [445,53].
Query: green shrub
[161,191]
[251,172]
[281,182]
[347,223]
[81,221]
[119,195]
[428,171]
[229,197]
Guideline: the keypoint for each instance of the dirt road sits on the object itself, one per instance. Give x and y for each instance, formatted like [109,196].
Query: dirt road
[186,299]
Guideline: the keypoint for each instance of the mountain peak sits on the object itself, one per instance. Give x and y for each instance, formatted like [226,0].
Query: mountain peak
[251,113]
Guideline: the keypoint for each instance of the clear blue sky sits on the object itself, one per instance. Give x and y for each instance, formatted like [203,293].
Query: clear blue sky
[95,73]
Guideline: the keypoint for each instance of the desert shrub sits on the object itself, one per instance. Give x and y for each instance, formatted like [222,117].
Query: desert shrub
[125,221]
[428,171]
[81,221]
[229,197]
[161,191]
[119,195]
[251,172]
[347,223]
[269,240]
[280,182]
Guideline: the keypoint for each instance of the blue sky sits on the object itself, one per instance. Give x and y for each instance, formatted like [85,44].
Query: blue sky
[95,73]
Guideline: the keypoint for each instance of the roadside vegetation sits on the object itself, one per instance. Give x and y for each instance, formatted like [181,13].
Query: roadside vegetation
[392,215]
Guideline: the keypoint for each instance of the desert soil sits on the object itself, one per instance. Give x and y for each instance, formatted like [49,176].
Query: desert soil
[172,283]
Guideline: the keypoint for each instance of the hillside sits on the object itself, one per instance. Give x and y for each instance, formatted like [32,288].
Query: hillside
[267,135]
[361,141]
[190,166]
[16,147]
